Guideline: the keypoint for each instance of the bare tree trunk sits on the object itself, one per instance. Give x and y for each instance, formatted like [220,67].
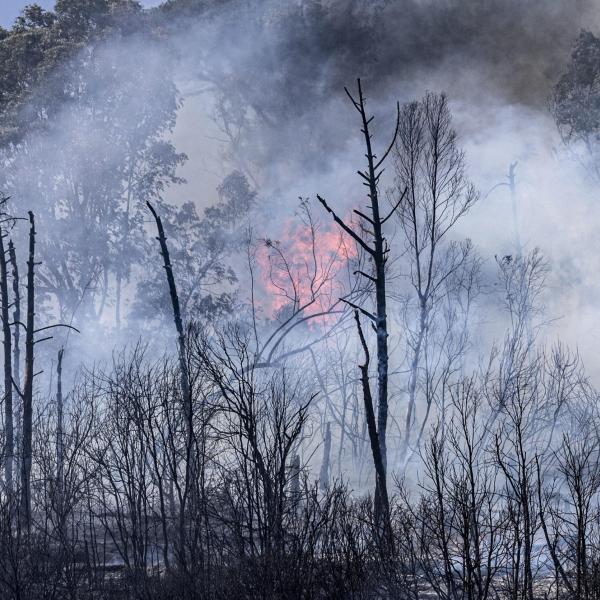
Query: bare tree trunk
[295,477]
[28,382]
[16,367]
[382,508]
[118,302]
[8,385]
[380,259]
[190,467]
[326,464]
[378,252]
[414,377]
[60,449]
[164,250]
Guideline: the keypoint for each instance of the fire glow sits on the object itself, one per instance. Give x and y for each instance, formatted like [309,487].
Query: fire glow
[303,272]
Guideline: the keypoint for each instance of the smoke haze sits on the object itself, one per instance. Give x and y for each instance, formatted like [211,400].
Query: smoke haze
[497,62]
[261,85]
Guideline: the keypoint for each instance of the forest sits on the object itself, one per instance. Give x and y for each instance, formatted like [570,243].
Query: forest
[298,300]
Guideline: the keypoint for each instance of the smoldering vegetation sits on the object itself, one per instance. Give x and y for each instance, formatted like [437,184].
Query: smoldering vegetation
[296,300]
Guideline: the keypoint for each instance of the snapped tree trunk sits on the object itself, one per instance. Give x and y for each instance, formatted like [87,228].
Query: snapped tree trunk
[164,250]
[190,466]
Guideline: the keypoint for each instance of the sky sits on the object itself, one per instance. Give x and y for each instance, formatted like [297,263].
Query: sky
[9,9]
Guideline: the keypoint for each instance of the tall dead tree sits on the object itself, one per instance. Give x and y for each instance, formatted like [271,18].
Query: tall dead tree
[8,385]
[430,171]
[16,349]
[382,508]
[60,442]
[188,413]
[164,251]
[27,394]
[373,242]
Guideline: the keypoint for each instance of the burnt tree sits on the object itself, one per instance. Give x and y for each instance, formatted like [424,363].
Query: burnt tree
[188,413]
[373,243]
[27,394]
[60,442]
[8,386]
[164,251]
[382,507]
[16,349]
[431,174]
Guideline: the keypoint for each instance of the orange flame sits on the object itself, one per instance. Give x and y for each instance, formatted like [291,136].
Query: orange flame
[303,273]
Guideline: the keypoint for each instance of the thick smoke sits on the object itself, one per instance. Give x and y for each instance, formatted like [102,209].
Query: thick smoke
[262,92]
[230,118]
[497,62]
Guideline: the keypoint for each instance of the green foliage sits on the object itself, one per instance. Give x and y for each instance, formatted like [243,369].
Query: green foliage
[83,143]
[41,43]
[576,101]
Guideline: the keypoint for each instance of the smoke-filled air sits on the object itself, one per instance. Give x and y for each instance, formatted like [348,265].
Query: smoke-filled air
[300,299]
